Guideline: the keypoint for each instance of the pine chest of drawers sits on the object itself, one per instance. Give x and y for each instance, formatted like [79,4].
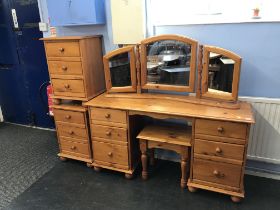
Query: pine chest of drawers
[218,156]
[113,146]
[73,132]
[75,66]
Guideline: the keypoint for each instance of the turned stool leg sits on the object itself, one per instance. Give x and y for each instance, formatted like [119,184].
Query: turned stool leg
[144,158]
[152,157]
[184,159]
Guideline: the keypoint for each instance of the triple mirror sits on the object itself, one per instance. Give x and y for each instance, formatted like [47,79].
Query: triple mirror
[168,63]
[220,74]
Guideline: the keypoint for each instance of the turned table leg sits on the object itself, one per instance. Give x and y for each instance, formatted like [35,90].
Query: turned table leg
[152,157]
[143,148]
[184,159]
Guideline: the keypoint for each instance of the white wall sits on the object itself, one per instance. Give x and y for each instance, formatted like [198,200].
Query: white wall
[1,115]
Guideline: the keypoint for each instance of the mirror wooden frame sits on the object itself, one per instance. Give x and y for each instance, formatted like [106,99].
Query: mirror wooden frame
[220,95]
[106,58]
[176,88]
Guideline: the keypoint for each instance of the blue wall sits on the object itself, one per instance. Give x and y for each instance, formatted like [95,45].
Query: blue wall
[257,43]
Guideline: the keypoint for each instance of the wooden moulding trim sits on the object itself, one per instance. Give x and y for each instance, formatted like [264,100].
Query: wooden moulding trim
[69,38]
[186,99]
[219,139]
[218,159]
[192,42]
[70,108]
[193,183]
[219,95]
[75,157]
[131,50]
[101,164]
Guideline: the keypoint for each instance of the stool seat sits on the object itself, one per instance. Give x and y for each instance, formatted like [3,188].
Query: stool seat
[178,135]
[175,138]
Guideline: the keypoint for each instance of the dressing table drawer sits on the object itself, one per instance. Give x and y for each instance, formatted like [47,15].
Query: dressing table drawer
[74,147]
[221,128]
[110,153]
[218,149]
[65,67]
[106,132]
[69,117]
[64,49]
[72,132]
[108,115]
[216,172]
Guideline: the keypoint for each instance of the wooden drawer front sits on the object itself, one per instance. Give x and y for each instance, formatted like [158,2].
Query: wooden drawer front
[69,116]
[72,132]
[219,149]
[78,148]
[110,153]
[65,68]
[65,49]
[61,86]
[109,115]
[216,172]
[106,132]
[221,128]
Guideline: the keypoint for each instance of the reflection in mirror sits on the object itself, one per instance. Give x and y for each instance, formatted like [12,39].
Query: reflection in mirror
[168,62]
[120,70]
[220,72]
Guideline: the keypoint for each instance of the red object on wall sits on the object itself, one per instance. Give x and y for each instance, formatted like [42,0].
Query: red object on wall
[50,100]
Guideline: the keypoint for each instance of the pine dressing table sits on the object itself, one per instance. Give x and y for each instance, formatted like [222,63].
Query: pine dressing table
[220,124]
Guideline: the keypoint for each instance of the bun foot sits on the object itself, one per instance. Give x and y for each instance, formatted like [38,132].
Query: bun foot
[236,199]
[192,189]
[56,101]
[63,159]
[89,165]
[96,168]
[128,176]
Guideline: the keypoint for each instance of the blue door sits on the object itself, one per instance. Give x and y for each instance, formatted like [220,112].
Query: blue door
[23,67]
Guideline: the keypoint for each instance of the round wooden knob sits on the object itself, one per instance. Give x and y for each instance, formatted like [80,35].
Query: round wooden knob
[64,68]
[68,117]
[110,154]
[71,132]
[67,86]
[73,147]
[220,129]
[216,172]
[61,49]
[107,115]
[218,150]
[108,133]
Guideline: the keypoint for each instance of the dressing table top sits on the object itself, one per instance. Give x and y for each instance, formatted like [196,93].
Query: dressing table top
[153,103]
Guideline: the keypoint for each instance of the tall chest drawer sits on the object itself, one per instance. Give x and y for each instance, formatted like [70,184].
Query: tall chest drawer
[63,49]
[68,87]
[221,128]
[75,148]
[68,116]
[65,67]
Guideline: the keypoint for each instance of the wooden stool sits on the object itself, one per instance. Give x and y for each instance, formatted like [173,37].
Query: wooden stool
[175,138]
